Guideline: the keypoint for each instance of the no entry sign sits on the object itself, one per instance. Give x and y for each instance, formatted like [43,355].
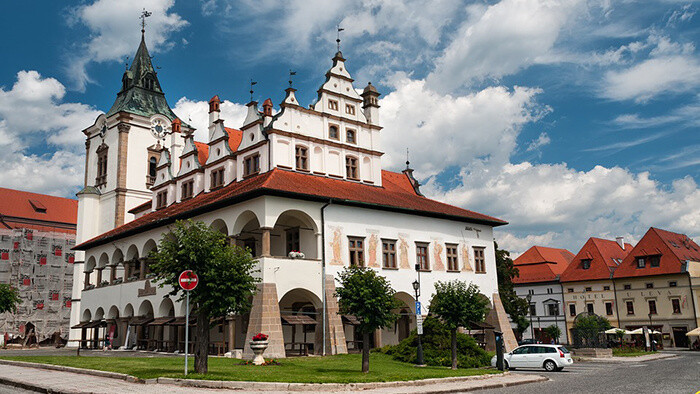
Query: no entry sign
[188,280]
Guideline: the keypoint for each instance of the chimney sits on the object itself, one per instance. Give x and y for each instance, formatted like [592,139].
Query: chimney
[267,112]
[621,242]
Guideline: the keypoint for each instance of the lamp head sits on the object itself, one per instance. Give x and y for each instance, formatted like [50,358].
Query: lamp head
[416,285]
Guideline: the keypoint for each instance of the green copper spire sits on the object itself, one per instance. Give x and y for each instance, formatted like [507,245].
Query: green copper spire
[141,93]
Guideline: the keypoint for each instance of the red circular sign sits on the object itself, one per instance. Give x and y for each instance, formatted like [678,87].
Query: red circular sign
[188,280]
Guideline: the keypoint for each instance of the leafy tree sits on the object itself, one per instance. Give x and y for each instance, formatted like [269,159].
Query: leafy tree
[370,298]
[515,307]
[553,332]
[226,282]
[588,329]
[458,304]
[9,298]
[437,349]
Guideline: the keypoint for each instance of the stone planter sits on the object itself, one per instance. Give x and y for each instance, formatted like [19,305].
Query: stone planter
[258,348]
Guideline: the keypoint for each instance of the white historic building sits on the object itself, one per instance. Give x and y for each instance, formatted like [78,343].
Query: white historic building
[306,179]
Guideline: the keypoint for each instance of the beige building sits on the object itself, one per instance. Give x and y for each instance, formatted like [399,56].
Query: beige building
[657,285]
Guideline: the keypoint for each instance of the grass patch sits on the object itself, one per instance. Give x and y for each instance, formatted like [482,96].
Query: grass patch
[343,368]
[629,352]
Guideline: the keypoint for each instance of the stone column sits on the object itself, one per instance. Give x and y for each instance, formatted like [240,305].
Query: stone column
[498,318]
[99,277]
[265,318]
[335,333]
[112,273]
[265,242]
[87,279]
[231,333]
[142,271]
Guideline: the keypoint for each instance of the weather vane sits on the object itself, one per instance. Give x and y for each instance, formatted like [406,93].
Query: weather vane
[337,40]
[407,162]
[291,73]
[252,83]
[144,14]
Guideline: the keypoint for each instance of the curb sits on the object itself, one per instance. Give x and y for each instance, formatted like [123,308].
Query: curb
[83,371]
[625,360]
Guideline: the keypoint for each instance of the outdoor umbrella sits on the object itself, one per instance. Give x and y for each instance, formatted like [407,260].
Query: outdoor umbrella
[615,330]
[693,333]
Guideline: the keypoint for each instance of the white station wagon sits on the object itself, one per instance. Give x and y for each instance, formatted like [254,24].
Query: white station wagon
[550,357]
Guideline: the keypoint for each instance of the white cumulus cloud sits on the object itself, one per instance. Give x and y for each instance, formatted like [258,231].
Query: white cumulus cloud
[196,114]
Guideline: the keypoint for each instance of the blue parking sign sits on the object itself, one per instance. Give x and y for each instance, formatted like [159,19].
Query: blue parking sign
[418,312]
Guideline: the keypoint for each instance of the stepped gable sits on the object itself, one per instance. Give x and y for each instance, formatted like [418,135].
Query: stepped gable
[394,195]
[541,264]
[675,250]
[605,255]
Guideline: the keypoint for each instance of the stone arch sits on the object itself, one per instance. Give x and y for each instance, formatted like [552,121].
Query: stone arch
[299,295]
[295,230]
[90,264]
[149,246]
[246,220]
[246,230]
[166,308]
[132,253]
[301,303]
[146,309]
[220,226]
[408,301]
[99,314]
[104,260]
[87,316]
[113,312]
[128,311]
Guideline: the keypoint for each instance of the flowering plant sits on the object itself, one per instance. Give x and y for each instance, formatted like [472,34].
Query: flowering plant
[294,254]
[260,337]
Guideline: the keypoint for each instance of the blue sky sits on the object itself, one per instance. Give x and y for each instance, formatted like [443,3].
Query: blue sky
[568,118]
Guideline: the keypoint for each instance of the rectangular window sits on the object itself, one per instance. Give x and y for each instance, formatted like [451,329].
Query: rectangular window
[570,290]
[422,256]
[292,236]
[549,290]
[652,307]
[672,283]
[349,109]
[187,190]
[606,288]
[572,310]
[552,310]
[641,262]
[217,178]
[302,158]
[357,251]
[650,285]
[630,307]
[628,287]
[350,136]
[531,291]
[162,199]
[589,308]
[676,304]
[251,165]
[389,253]
[333,132]
[101,178]
[586,263]
[452,261]
[654,261]
[533,309]
[479,261]
[351,167]
[608,308]
[589,289]
[333,104]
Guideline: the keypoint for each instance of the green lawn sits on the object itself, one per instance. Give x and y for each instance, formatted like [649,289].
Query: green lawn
[344,368]
[627,352]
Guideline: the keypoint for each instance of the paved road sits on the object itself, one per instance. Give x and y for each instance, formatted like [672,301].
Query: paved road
[674,375]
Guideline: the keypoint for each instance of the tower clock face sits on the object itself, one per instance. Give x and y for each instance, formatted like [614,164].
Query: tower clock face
[158,129]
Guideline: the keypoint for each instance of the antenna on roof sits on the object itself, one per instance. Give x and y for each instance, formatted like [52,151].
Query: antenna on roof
[291,73]
[252,83]
[337,40]
[144,14]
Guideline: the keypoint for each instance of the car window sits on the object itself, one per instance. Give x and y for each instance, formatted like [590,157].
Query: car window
[551,350]
[563,349]
[541,349]
[522,350]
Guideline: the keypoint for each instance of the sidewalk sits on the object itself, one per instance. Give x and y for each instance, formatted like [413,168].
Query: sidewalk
[646,357]
[55,381]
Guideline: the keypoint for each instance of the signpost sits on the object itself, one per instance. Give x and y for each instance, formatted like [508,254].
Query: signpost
[188,281]
[419,319]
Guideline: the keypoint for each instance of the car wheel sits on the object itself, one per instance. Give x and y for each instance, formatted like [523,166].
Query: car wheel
[505,364]
[550,366]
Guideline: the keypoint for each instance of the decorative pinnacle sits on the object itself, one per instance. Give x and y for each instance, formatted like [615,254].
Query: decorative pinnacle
[252,83]
[337,40]
[144,14]
[291,73]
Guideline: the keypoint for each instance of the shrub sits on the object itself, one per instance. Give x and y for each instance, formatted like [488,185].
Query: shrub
[437,347]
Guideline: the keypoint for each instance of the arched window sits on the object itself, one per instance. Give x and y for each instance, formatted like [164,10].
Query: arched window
[351,167]
[333,132]
[350,137]
[152,165]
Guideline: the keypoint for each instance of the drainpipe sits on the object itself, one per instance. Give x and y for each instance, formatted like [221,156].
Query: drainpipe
[617,309]
[323,270]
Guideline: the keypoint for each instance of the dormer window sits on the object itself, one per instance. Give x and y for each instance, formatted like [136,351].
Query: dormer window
[351,168]
[654,261]
[149,83]
[251,165]
[217,178]
[333,132]
[101,178]
[350,136]
[302,158]
[162,199]
[586,264]
[187,190]
[349,109]
[641,262]
[333,105]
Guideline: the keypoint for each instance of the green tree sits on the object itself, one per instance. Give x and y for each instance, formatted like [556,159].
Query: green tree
[553,332]
[458,304]
[589,328]
[515,307]
[370,298]
[9,298]
[226,282]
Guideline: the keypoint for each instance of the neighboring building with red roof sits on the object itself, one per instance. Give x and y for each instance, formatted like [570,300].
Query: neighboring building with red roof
[539,269]
[37,233]
[587,281]
[659,281]
[303,189]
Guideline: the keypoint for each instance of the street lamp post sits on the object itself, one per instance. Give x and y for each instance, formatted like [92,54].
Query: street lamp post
[651,337]
[416,288]
[556,321]
[529,312]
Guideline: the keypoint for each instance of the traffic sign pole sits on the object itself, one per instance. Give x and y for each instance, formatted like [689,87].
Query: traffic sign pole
[187,328]
[188,280]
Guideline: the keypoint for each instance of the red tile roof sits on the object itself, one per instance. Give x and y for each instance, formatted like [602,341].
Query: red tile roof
[541,264]
[605,256]
[394,195]
[202,152]
[234,141]
[674,249]
[19,209]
